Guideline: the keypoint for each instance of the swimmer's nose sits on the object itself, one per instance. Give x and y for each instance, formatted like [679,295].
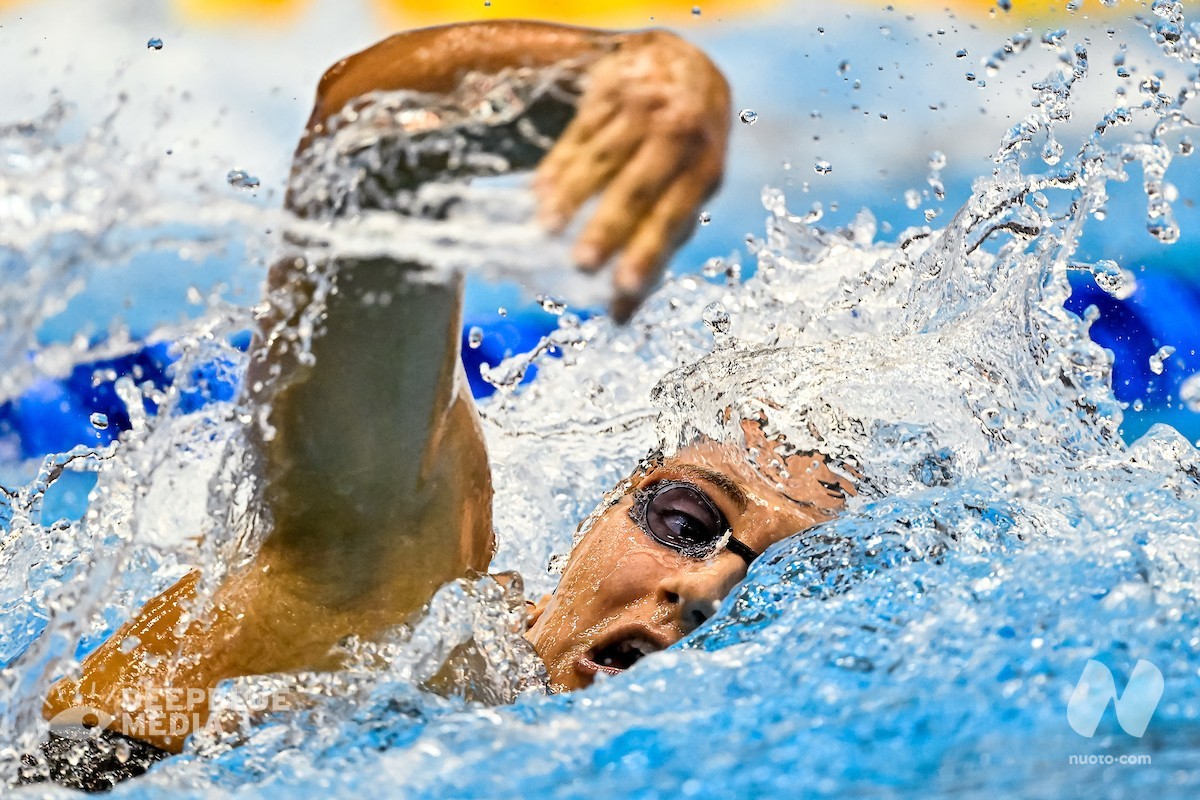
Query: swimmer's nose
[695,596]
[696,612]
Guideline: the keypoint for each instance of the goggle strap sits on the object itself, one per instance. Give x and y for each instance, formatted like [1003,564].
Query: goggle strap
[739,548]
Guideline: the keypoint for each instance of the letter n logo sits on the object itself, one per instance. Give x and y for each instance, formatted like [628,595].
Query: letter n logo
[1096,688]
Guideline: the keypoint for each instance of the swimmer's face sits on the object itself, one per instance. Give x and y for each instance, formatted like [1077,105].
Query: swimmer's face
[625,594]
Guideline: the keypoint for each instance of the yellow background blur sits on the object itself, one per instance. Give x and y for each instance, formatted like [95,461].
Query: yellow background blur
[620,13]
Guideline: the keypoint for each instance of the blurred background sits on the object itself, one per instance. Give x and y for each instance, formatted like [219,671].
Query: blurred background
[893,107]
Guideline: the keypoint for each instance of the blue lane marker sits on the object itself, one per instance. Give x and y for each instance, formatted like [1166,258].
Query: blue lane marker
[1161,312]
[53,416]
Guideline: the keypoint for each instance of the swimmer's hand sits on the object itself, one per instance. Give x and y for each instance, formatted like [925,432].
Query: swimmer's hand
[650,135]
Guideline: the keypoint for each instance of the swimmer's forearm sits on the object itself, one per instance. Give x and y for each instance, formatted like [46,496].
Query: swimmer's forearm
[436,59]
[376,464]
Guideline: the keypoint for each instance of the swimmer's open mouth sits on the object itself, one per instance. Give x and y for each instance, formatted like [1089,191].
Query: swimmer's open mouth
[621,652]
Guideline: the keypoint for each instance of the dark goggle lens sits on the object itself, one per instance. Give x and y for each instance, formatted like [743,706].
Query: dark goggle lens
[683,518]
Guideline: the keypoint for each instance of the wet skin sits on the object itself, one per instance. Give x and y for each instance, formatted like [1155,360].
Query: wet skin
[360,540]
[624,594]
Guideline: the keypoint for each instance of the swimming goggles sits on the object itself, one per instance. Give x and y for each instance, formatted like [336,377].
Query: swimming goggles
[680,516]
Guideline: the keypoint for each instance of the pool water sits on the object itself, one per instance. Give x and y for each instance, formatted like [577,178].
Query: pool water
[1011,525]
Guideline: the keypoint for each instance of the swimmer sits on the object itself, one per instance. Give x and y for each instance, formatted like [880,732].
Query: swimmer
[372,456]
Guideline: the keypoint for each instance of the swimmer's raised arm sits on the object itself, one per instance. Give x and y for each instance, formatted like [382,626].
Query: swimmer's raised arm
[373,460]
[379,434]
[435,60]
[650,135]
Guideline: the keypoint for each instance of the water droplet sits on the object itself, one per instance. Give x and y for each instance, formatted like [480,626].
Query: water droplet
[240,179]
[558,563]
[713,267]
[502,311]
[1156,360]
[1054,38]
[705,218]
[961,54]
[748,116]
[843,67]
[552,305]
[970,76]
[1052,152]
[937,160]
[695,11]
[99,421]
[1164,232]
[1189,393]
[475,337]
[129,643]
[912,199]
[1168,31]
[931,214]
[1186,146]
[716,319]
[154,44]
[122,751]
[822,167]
[1138,405]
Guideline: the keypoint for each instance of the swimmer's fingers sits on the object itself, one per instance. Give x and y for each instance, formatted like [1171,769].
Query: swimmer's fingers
[596,112]
[597,107]
[583,168]
[668,224]
[626,202]
[650,137]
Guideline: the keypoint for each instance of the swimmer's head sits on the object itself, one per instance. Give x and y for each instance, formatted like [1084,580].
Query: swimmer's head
[656,563]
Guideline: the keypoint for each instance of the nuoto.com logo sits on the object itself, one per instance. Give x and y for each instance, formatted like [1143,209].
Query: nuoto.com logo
[1097,688]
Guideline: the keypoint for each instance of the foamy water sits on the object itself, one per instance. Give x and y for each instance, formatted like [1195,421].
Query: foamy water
[928,640]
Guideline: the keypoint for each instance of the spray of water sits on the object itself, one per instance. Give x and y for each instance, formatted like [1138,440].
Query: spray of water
[929,637]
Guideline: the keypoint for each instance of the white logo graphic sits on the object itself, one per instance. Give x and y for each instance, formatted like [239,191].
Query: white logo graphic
[80,722]
[1096,687]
